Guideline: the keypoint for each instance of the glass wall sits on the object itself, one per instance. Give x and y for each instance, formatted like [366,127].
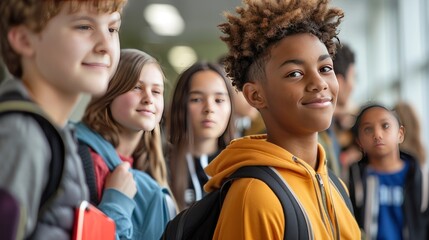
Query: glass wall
[391,41]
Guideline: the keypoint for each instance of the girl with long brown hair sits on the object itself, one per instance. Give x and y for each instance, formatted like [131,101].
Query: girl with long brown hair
[122,131]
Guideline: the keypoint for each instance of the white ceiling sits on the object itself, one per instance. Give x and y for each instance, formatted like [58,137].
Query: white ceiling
[201,19]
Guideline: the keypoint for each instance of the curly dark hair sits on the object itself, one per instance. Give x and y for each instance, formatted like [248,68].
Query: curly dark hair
[262,23]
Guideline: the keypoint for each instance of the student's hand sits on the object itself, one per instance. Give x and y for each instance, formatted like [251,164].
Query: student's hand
[122,180]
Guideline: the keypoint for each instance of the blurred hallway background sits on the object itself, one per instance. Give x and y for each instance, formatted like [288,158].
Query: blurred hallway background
[390,39]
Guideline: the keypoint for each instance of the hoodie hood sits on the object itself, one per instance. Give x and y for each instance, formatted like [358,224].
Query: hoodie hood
[256,150]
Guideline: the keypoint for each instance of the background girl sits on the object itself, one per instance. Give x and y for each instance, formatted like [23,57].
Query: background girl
[386,184]
[199,126]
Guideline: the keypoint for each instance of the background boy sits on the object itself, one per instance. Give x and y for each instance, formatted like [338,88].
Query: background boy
[58,50]
[337,135]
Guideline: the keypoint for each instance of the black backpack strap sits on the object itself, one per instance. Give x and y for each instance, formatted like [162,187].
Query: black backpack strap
[200,219]
[296,225]
[88,166]
[341,189]
[14,102]
[56,166]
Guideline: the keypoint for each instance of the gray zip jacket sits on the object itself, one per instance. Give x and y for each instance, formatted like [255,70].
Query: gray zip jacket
[24,172]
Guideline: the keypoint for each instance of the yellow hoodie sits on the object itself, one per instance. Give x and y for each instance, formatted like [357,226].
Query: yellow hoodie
[252,211]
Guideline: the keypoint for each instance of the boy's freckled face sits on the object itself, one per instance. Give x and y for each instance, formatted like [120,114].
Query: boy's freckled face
[78,52]
[300,88]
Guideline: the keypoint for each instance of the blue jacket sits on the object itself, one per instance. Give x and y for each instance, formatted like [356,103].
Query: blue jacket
[143,217]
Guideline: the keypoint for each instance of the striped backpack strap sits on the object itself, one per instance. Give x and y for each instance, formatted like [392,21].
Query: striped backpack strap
[339,185]
[296,224]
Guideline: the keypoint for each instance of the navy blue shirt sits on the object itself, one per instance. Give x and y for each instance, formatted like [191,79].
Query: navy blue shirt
[391,199]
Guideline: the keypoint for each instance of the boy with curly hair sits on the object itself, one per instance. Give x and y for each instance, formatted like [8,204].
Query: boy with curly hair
[56,50]
[280,57]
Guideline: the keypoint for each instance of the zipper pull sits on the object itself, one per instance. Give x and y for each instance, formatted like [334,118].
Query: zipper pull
[322,191]
[319,179]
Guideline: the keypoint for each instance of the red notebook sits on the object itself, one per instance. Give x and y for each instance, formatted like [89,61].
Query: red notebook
[92,224]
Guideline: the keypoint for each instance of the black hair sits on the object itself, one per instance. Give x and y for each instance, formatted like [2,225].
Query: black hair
[366,107]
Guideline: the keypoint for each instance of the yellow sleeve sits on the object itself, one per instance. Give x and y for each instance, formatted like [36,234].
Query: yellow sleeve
[251,210]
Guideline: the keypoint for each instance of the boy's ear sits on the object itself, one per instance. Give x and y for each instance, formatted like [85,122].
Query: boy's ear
[254,95]
[19,39]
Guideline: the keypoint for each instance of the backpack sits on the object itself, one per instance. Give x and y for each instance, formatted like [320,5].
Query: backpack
[14,102]
[200,219]
[88,167]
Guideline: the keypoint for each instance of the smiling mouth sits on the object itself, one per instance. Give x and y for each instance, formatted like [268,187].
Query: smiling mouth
[318,104]
[318,101]
[101,65]
[145,111]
